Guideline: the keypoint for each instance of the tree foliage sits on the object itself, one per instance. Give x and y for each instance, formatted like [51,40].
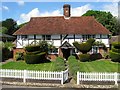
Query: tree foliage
[11,25]
[106,19]
[3,30]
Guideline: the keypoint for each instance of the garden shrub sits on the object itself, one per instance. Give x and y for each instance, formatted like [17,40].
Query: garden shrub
[35,58]
[115,52]
[95,56]
[91,40]
[32,53]
[115,56]
[116,45]
[32,48]
[59,64]
[84,57]
[19,56]
[73,66]
[83,47]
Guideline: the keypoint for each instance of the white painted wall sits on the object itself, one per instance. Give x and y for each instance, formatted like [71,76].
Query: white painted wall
[55,40]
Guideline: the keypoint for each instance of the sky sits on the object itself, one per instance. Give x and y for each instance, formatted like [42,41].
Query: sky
[21,11]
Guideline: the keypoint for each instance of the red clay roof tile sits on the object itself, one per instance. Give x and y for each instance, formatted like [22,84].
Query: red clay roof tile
[60,25]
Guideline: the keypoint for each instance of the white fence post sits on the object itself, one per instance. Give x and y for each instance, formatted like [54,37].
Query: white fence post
[77,78]
[62,77]
[24,76]
[115,78]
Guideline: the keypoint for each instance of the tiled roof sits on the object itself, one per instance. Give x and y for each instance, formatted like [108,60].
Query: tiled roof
[60,25]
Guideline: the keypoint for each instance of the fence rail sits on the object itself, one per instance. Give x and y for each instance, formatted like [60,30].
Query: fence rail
[83,76]
[28,74]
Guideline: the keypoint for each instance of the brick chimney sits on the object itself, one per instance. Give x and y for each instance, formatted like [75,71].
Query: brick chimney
[66,10]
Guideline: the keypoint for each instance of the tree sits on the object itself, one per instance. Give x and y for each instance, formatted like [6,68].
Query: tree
[3,30]
[11,25]
[106,19]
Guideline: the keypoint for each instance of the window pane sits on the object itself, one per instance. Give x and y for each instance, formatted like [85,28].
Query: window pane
[48,37]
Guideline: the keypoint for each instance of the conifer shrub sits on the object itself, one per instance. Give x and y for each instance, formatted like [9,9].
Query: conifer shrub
[84,57]
[115,52]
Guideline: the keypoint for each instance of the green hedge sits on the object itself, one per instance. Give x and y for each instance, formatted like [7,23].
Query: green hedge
[116,45]
[32,53]
[95,56]
[91,40]
[32,48]
[115,56]
[59,64]
[115,50]
[84,57]
[35,58]
[83,47]
[73,66]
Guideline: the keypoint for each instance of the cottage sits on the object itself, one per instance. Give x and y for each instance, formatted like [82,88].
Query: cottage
[62,31]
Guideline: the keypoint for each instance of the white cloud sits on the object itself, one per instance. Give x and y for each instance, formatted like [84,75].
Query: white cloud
[78,11]
[5,8]
[20,2]
[113,8]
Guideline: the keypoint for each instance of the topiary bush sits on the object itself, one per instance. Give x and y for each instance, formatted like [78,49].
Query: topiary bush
[91,40]
[115,56]
[73,66]
[59,64]
[85,46]
[95,56]
[32,48]
[35,58]
[84,57]
[115,52]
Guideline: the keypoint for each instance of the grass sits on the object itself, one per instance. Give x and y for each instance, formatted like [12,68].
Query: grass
[21,65]
[99,66]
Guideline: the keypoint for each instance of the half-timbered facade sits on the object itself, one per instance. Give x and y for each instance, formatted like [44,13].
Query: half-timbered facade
[62,31]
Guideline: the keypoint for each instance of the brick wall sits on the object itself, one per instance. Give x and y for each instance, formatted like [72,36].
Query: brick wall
[16,51]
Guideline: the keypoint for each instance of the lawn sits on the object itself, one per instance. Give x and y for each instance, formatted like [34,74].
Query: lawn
[21,65]
[99,66]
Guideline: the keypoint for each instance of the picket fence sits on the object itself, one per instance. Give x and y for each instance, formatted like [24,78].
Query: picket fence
[83,76]
[40,75]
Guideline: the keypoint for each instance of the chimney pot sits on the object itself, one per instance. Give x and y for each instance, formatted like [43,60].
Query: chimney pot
[66,10]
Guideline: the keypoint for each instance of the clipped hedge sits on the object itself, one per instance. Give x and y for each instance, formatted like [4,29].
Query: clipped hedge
[116,45]
[95,56]
[115,50]
[73,66]
[32,48]
[35,58]
[84,57]
[115,56]
[59,64]
[91,40]
[83,47]
[32,53]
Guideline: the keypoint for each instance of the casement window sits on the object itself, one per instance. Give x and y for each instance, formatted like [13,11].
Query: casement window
[53,51]
[104,36]
[86,37]
[24,37]
[98,36]
[46,37]
[18,37]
